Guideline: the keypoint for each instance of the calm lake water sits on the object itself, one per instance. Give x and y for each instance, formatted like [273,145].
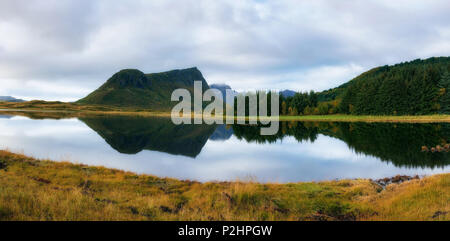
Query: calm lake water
[301,151]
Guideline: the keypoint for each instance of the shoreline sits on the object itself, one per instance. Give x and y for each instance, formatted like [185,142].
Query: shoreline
[67,191]
[313,118]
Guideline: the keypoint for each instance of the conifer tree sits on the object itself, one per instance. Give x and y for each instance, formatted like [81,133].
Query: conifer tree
[444,93]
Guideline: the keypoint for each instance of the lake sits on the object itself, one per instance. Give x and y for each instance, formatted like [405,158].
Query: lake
[301,151]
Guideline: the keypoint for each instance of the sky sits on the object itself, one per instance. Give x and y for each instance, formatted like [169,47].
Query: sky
[64,49]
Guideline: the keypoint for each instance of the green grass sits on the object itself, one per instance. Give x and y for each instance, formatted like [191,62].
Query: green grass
[64,110]
[61,109]
[369,118]
[33,189]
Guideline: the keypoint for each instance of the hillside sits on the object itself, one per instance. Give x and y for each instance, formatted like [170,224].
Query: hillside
[133,88]
[9,99]
[412,88]
[333,93]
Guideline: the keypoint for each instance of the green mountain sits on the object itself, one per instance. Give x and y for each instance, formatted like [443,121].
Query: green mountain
[411,88]
[133,88]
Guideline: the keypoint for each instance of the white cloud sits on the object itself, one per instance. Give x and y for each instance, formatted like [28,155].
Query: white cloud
[317,79]
[247,44]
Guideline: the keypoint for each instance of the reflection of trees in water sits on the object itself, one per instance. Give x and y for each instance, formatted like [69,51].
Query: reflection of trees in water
[398,143]
[300,130]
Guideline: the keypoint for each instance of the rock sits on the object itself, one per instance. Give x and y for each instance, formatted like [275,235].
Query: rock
[395,180]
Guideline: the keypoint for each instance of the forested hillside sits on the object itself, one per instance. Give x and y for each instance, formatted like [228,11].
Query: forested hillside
[412,88]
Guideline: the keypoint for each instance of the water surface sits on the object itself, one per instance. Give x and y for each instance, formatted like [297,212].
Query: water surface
[301,151]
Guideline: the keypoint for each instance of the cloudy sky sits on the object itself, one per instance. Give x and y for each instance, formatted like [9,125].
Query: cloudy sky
[64,49]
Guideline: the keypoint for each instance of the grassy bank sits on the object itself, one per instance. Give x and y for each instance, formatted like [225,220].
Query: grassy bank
[44,190]
[43,109]
[68,110]
[369,118]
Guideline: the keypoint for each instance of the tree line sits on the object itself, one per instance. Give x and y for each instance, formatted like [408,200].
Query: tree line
[302,103]
[417,87]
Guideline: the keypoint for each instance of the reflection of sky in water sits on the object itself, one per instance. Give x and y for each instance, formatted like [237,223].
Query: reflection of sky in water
[284,161]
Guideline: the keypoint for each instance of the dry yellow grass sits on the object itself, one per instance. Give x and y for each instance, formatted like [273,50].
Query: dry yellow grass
[44,190]
[414,200]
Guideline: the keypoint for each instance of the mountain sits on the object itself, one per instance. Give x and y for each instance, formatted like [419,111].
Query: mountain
[223,88]
[411,88]
[10,99]
[133,88]
[287,93]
